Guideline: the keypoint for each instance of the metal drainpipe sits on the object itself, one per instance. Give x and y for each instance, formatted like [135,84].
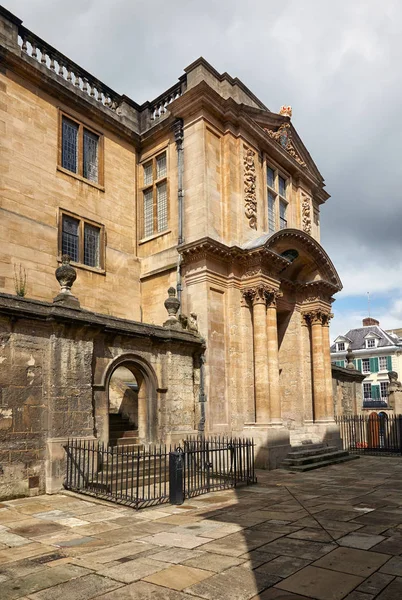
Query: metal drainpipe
[178,136]
[202,397]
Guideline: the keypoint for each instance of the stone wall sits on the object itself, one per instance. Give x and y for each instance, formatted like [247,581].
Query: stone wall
[55,367]
[347,391]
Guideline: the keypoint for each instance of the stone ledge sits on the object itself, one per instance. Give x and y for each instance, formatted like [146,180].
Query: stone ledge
[24,308]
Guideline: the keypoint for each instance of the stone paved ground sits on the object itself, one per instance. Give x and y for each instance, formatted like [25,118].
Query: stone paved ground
[332,534]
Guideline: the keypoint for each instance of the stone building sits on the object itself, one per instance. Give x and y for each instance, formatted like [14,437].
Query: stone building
[376,352]
[203,189]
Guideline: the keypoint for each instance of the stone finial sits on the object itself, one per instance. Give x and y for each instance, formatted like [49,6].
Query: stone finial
[172,305]
[349,359]
[66,275]
[286,111]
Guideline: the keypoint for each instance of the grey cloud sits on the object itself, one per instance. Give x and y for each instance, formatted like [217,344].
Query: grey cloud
[337,63]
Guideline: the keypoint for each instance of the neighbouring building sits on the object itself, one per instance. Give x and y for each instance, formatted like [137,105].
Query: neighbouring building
[204,190]
[375,353]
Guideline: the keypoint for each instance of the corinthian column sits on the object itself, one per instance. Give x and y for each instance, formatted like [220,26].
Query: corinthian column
[319,380]
[327,366]
[273,359]
[258,295]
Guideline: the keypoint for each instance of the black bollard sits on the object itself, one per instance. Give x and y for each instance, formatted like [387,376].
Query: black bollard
[176,468]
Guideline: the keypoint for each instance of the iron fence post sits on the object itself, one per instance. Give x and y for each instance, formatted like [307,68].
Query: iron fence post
[176,463]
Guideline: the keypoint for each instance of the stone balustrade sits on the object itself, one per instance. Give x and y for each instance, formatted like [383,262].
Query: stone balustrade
[65,68]
[158,107]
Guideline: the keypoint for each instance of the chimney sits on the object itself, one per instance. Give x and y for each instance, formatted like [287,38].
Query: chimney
[370,321]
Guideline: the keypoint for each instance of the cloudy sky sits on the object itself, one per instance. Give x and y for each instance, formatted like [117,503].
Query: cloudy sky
[336,63]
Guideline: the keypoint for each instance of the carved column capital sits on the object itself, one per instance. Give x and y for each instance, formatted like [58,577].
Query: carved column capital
[260,294]
[314,317]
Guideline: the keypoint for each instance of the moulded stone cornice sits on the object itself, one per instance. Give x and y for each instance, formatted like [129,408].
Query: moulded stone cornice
[46,80]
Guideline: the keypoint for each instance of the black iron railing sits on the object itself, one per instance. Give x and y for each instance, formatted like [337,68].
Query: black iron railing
[139,477]
[376,434]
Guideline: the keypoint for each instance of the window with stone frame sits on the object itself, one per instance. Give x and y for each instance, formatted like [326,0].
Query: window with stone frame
[155,200]
[80,150]
[277,192]
[83,240]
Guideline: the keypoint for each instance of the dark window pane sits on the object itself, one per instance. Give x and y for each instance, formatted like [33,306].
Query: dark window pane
[91,142]
[70,237]
[270,177]
[148,213]
[271,212]
[91,245]
[282,186]
[69,152]
[161,193]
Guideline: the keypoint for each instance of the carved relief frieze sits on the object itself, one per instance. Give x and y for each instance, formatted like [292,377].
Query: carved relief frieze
[306,212]
[250,194]
[283,137]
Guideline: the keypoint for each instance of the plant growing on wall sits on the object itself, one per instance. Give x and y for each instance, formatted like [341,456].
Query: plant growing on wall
[20,281]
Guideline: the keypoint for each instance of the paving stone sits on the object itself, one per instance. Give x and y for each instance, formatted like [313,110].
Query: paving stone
[12,540]
[52,515]
[275,594]
[255,558]
[20,552]
[133,570]
[39,529]
[353,561]
[339,515]
[393,591]
[178,577]
[214,562]
[21,586]
[177,540]
[393,566]
[391,545]
[363,541]
[375,583]
[359,596]
[115,552]
[314,535]
[321,584]
[83,588]
[144,591]
[233,584]
[283,566]
[177,555]
[298,548]
[240,543]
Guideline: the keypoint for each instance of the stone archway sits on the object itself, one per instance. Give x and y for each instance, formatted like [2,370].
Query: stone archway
[128,388]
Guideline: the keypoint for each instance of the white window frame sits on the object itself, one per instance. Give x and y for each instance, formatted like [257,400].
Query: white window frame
[367,387]
[374,345]
[384,358]
[338,346]
[368,360]
[384,384]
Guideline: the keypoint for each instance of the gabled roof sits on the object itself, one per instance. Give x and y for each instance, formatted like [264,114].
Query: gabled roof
[358,338]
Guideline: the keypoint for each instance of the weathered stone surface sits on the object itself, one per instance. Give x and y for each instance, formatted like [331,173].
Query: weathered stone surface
[82,588]
[322,584]
[351,560]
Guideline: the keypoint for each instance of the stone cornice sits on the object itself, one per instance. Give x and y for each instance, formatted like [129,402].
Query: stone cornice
[23,308]
[251,262]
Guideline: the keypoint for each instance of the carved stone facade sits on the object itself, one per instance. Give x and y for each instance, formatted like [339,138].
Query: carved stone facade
[192,193]
[306,213]
[250,188]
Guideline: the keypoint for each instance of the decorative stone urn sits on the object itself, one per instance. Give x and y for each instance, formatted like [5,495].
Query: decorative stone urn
[66,275]
[172,305]
[349,359]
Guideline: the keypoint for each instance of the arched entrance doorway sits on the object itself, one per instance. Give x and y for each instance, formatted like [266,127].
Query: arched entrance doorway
[123,407]
[131,401]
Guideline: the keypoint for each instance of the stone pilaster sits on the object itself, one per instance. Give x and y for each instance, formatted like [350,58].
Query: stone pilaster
[273,359]
[326,343]
[257,295]
[315,318]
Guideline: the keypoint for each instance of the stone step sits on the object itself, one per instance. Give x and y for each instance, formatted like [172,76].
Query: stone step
[318,465]
[304,460]
[307,447]
[313,452]
[124,433]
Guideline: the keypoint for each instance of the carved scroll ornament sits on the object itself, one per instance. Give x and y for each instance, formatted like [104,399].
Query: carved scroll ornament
[250,188]
[284,138]
[306,213]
